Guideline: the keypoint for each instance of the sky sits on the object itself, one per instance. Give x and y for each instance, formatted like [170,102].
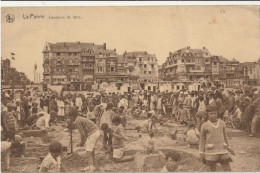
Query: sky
[229,31]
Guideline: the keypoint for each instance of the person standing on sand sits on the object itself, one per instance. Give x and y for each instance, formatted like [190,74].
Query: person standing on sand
[214,145]
[89,133]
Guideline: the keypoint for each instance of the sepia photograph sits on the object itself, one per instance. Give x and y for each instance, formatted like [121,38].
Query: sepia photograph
[130,88]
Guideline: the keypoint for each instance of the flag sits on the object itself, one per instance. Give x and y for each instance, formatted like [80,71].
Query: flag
[12,54]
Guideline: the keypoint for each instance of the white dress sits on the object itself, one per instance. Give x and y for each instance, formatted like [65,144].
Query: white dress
[61,107]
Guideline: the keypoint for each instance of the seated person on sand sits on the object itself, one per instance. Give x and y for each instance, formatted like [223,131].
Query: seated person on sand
[52,162]
[173,160]
[192,135]
[118,141]
[149,124]
[44,120]
[19,146]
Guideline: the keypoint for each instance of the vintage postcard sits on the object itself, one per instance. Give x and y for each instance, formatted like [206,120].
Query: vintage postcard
[170,88]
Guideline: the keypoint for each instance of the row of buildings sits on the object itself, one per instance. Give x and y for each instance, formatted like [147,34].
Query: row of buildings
[193,65]
[11,79]
[80,66]
[84,66]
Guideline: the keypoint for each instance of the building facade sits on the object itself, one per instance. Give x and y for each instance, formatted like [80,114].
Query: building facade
[187,65]
[142,67]
[71,64]
[11,79]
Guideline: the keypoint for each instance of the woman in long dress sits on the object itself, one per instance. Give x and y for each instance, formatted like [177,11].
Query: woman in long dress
[61,106]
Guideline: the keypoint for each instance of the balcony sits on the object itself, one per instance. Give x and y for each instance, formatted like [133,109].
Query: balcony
[189,63]
[196,71]
[87,60]
[88,68]
[74,64]
[46,73]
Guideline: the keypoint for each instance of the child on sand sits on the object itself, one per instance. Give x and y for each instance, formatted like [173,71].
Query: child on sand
[118,141]
[52,162]
[192,135]
[121,113]
[214,144]
[89,133]
[91,114]
[107,143]
[183,115]
[173,160]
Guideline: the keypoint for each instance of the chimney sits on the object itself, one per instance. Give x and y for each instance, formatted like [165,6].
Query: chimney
[114,50]
[204,47]
[105,46]
[78,42]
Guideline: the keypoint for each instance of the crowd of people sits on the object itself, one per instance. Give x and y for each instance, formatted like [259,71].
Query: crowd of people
[108,112]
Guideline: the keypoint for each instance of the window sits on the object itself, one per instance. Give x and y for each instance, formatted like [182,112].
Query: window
[150,72]
[152,66]
[75,54]
[148,59]
[215,63]
[100,69]
[112,69]
[144,72]
[206,53]
[140,59]
[182,60]
[144,65]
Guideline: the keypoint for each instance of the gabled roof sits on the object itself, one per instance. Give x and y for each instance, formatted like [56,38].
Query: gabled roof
[223,59]
[73,46]
[191,52]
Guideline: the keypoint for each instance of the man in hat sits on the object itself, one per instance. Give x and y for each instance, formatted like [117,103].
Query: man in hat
[10,122]
[231,102]
[256,117]
[20,112]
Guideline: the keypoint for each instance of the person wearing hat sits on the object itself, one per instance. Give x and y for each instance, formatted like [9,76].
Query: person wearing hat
[231,102]
[214,145]
[20,112]
[10,123]
[53,104]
